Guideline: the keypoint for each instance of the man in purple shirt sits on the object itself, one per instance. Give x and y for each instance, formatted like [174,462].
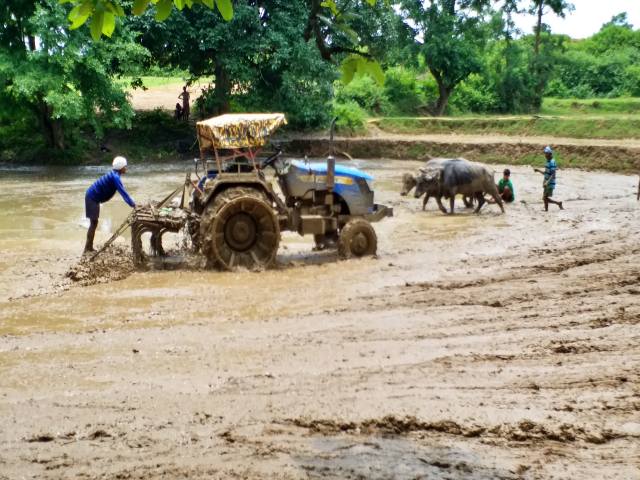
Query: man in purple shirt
[102,191]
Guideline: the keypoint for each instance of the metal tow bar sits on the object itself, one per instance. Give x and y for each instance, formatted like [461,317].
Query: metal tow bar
[121,229]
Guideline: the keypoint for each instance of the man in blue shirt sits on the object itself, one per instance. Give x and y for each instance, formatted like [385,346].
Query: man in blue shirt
[549,183]
[102,191]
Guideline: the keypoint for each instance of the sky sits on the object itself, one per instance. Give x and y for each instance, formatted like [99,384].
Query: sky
[586,19]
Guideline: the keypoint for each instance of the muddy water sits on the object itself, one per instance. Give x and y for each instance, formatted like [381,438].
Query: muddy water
[474,346]
[42,231]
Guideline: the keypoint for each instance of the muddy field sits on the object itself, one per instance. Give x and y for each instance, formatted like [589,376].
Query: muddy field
[473,347]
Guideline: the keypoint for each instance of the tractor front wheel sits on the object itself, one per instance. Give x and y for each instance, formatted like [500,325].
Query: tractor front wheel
[357,239]
[240,229]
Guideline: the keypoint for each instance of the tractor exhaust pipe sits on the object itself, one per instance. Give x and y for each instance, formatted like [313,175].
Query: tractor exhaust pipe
[331,161]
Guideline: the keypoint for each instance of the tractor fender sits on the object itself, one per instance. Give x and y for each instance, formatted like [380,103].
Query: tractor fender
[224,184]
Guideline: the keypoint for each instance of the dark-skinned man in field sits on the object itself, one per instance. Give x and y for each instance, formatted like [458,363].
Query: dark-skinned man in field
[101,191]
[549,182]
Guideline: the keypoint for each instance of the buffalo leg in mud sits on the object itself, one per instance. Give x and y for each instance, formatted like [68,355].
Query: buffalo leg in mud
[452,202]
[481,201]
[440,205]
[424,202]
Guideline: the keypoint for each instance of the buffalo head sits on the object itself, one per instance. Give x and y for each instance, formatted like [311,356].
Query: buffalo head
[408,182]
[427,181]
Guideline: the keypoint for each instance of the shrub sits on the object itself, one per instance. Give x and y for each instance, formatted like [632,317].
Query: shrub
[473,95]
[351,117]
[557,89]
[582,91]
[366,92]
[632,80]
[402,90]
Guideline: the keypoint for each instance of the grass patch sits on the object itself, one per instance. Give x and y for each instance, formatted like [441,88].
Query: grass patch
[597,106]
[604,128]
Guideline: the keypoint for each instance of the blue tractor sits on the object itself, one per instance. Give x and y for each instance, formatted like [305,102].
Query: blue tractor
[235,214]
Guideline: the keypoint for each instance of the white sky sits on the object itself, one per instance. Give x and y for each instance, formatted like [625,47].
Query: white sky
[586,19]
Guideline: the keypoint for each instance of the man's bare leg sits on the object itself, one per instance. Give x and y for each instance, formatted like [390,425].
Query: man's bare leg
[91,233]
[548,200]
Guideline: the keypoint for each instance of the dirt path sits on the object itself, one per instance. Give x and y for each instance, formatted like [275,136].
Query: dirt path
[474,347]
[164,97]
[494,138]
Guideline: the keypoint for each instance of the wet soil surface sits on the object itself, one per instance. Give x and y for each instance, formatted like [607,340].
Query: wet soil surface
[481,347]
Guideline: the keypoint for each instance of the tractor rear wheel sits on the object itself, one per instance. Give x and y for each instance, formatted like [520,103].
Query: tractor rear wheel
[357,239]
[240,229]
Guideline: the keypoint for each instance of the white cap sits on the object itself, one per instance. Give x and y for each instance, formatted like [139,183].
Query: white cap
[547,149]
[119,163]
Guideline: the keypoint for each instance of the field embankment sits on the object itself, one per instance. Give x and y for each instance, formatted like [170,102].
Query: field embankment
[591,134]
[616,156]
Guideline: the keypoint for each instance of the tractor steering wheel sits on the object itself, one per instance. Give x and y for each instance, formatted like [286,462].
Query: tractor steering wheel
[272,159]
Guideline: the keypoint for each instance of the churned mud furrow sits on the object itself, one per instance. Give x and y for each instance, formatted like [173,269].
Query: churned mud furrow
[474,347]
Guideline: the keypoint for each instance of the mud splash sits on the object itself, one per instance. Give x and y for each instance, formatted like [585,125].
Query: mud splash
[114,263]
[523,431]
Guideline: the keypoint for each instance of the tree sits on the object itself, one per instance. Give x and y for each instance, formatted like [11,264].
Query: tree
[326,18]
[539,8]
[54,76]
[259,59]
[454,34]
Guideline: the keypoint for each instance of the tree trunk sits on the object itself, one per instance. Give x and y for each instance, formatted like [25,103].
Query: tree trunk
[536,48]
[52,127]
[444,92]
[540,81]
[222,89]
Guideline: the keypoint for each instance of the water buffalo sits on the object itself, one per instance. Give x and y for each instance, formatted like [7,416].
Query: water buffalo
[456,176]
[410,181]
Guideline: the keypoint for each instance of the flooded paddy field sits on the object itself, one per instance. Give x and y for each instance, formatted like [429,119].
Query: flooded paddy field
[474,346]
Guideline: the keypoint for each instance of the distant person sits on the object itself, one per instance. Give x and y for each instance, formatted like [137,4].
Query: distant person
[102,191]
[549,182]
[505,187]
[185,103]
[177,114]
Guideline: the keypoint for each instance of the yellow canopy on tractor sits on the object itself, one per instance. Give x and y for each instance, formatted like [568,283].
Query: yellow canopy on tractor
[238,130]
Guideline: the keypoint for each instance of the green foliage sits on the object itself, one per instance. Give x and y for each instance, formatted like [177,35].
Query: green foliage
[604,65]
[474,95]
[357,65]
[304,88]
[454,35]
[63,84]
[267,66]
[102,14]
[366,92]
[631,80]
[403,91]
[351,118]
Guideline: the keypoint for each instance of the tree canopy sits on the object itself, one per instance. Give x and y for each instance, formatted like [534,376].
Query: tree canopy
[58,78]
[63,63]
